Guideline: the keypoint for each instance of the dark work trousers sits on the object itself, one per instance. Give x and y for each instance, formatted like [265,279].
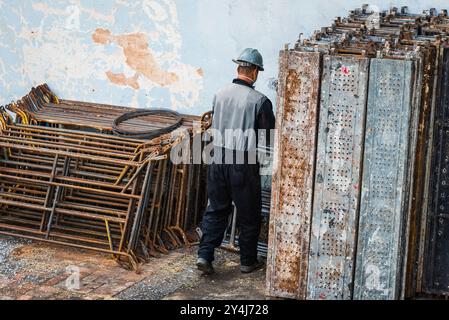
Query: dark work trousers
[226,183]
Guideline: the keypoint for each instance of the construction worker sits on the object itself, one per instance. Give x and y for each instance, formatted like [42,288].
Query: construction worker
[240,114]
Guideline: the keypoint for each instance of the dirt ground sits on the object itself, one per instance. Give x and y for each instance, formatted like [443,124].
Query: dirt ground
[32,270]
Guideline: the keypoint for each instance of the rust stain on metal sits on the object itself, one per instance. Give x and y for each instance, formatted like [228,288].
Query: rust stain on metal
[436,256]
[409,251]
[411,272]
[293,174]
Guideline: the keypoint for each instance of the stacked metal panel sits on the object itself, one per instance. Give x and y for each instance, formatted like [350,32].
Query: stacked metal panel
[374,232]
[420,171]
[384,185]
[59,186]
[291,204]
[86,188]
[436,248]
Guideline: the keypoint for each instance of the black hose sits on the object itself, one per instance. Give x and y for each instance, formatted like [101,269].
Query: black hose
[148,134]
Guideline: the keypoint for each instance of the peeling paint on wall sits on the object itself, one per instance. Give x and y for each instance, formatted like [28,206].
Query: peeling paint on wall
[107,51]
[122,80]
[138,57]
[190,42]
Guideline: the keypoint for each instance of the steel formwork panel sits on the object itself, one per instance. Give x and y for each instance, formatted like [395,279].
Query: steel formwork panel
[384,185]
[293,174]
[337,180]
[428,77]
[436,266]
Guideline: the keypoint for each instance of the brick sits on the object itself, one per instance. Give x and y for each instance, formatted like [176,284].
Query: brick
[56,280]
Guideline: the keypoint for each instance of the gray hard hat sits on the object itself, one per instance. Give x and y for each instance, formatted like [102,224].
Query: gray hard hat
[250,57]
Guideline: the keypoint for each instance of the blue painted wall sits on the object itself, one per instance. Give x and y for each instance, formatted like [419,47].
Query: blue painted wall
[87,50]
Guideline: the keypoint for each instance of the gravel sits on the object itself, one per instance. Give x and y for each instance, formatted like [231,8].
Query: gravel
[9,267]
[176,275]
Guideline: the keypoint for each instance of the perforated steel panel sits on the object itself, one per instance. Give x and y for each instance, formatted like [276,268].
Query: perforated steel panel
[436,266]
[383,204]
[293,172]
[336,199]
[420,155]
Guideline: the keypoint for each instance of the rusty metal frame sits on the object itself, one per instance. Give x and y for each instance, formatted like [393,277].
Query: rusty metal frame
[293,174]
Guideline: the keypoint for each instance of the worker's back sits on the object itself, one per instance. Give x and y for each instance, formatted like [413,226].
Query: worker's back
[239,113]
[235,114]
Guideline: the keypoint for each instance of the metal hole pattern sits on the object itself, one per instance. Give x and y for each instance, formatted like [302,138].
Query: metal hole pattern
[293,174]
[383,190]
[343,102]
[440,227]
[442,206]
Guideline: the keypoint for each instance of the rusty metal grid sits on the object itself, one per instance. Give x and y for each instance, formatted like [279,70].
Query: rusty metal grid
[338,174]
[384,184]
[436,266]
[293,174]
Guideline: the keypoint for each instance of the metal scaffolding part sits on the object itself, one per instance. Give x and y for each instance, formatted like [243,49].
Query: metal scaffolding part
[291,205]
[337,178]
[384,185]
[382,236]
[86,188]
[436,249]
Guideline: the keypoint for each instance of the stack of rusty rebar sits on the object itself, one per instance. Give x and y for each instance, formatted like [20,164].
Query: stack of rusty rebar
[66,178]
[359,185]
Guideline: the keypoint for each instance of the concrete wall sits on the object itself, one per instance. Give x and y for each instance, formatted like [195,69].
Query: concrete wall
[152,53]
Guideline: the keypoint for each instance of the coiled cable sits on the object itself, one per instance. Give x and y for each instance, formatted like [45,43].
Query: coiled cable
[148,134]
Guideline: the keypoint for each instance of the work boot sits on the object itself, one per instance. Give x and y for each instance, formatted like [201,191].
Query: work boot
[204,266]
[255,266]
